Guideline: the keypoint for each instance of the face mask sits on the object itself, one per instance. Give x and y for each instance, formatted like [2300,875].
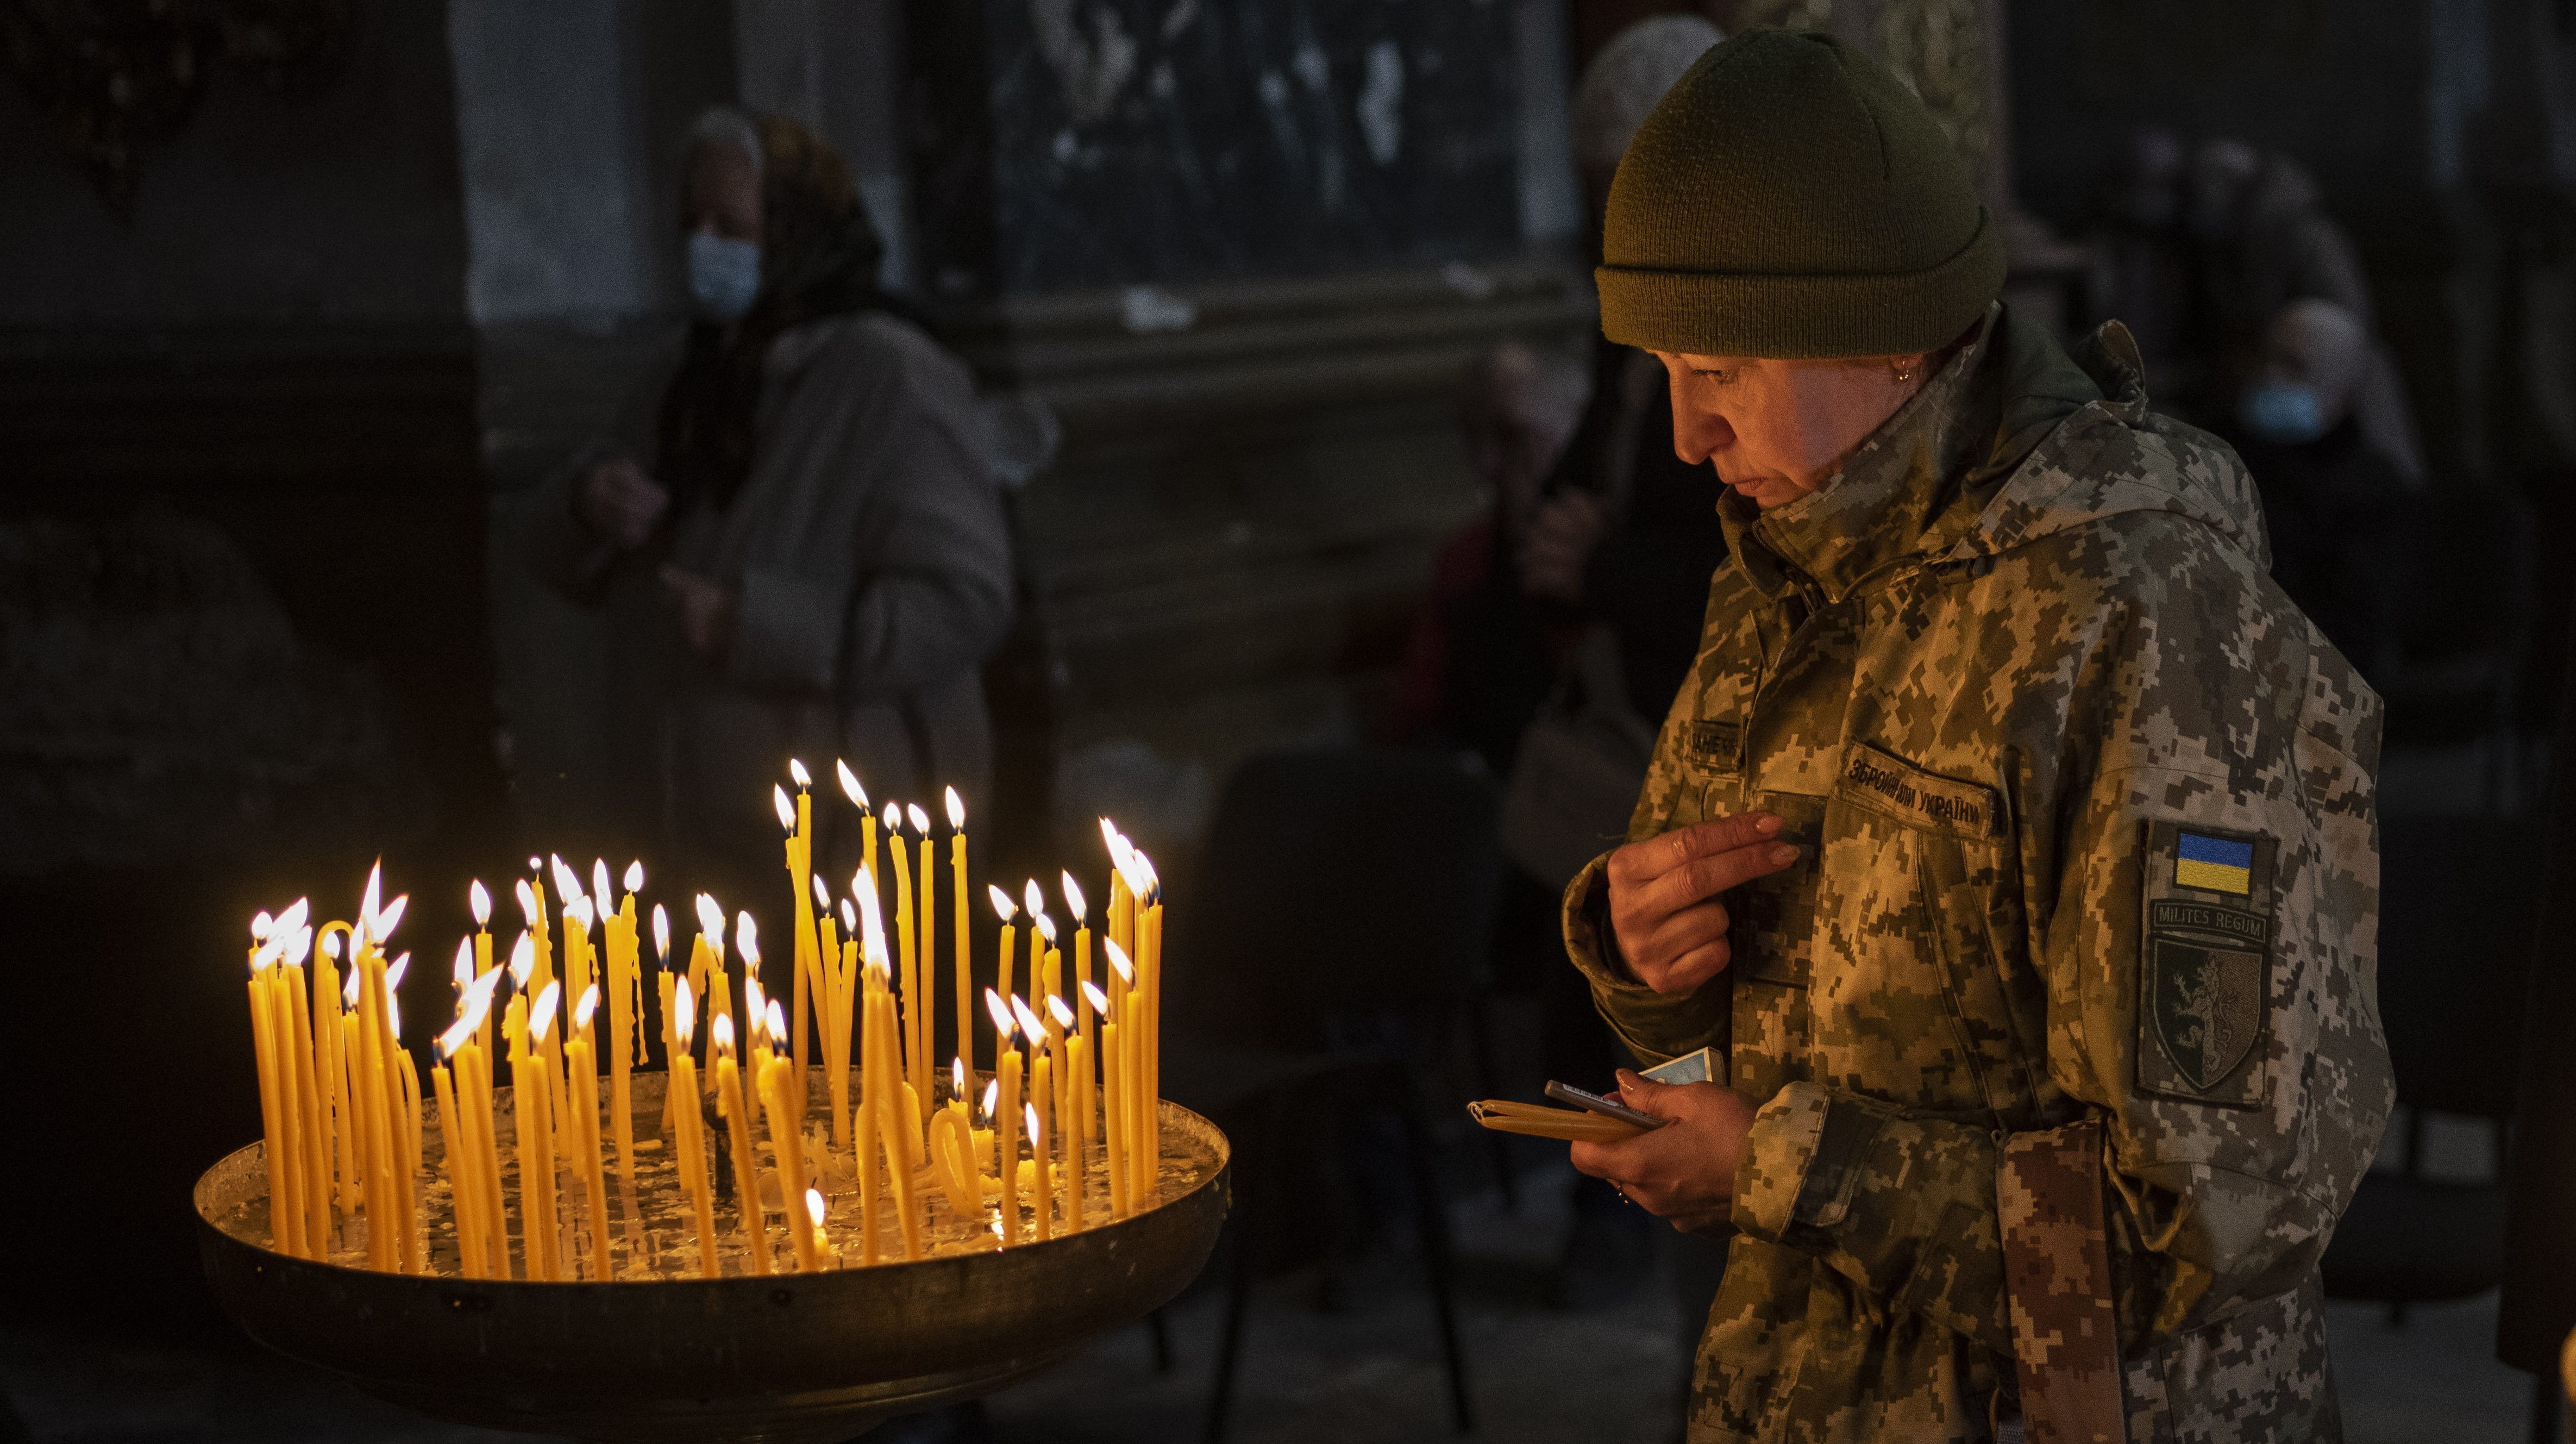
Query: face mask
[2284,412]
[724,275]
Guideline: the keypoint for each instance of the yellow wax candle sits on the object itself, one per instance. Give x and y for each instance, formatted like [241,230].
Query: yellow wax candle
[746,1166]
[544,963]
[926,917]
[534,1143]
[963,909]
[328,1053]
[1038,1152]
[1005,909]
[1006,1135]
[1123,1077]
[379,1148]
[294,1107]
[578,1057]
[908,1001]
[316,1108]
[871,1048]
[413,1261]
[798,819]
[282,1208]
[825,1256]
[480,902]
[474,1087]
[691,1143]
[1151,928]
[1071,1125]
[460,1177]
[900,1136]
[626,1038]
[788,1147]
[1113,1120]
[1081,993]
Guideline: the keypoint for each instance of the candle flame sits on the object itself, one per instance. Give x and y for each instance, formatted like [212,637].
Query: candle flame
[796,769]
[267,955]
[464,969]
[478,994]
[849,917]
[1030,1027]
[601,893]
[684,1004]
[1073,898]
[542,1015]
[588,1005]
[863,890]
[1046,928]
[722,1032]
[1001,1012]
[331,946]
[635,875]
[1098,1000]
[535,866]
[261,925]
[293,918]
[661,933]
[394,974]
[957,1078]
[920,819]
[523,960]
[822,891]
[1137,875]
[1118,959]
[1002,903]
[786,809]
[850,784]
[368,899]
[528,908]
[956,811]
[814,1206]
[746,938]
[1109,837]
[1056,1009]
[1033,899]
[778,1022]
[455,1036]
[390,918]
[393,1017]
[481,902]
[298,944]
[567,882]
[1037,1137]
[992,1095]
[752,998]
[711,923]
[579,910]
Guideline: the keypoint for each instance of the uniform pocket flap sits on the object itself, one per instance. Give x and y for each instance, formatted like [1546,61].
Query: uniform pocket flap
[1887,784]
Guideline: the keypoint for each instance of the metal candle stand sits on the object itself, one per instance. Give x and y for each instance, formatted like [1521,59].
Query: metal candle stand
[785,1357]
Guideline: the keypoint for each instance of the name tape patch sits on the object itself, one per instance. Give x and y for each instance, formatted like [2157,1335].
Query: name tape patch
[1921,797]
[1716,740]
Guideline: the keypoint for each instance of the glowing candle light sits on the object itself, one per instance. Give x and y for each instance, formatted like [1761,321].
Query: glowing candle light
[926,917]
[867,820]
[823,1252]
[746,1168]
[1040,929]
[1112,1121]
[536,1150]
[625,1021]
[1074,908]
[1006,1116]
[688,1136]
[908,1000]
[1122,977]
[1005,909]
[787,1146]
[1037,1151]
[283,1206]
[579,1059]
[963,908]
[296,1034]
[803,957]
[455,1135]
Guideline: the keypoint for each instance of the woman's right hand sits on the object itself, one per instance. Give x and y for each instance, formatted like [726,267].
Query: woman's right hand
[1663,895]
[618,501]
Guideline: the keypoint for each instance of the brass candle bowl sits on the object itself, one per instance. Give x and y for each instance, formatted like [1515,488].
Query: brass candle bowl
[787,1357]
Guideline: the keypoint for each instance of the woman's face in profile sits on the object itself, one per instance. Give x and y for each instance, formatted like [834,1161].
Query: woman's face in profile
[722,195]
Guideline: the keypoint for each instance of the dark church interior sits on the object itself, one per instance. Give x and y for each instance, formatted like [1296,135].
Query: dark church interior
[1216,427]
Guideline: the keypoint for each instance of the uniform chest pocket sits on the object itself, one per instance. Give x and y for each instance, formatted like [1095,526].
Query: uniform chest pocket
[1919,905]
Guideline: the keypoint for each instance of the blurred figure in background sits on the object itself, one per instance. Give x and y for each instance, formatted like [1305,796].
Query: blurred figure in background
[800,536]
[2140,261]
[2339,509]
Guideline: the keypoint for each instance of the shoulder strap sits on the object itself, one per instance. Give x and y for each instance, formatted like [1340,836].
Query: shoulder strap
[2057,1281]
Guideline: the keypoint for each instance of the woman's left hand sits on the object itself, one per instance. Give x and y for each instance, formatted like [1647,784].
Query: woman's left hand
[1683,1172]
[707,611]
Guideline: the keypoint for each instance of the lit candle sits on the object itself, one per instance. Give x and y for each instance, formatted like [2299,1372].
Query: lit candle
[481,902]
[1037,1151]
[788,1147]
[823,1253]
[1111,1129]
[746,1171]
[1122,1076]
[474,1096]
[965,932]
[329,1050]
[926,917]
[456,1137]
[625,1022]
[283,1207]
[1074,907]
[867,820]
[1005,909]
[826,947]
[865,1125]
[529,1026]
[1072,1117]
[1006,1117]
[312,1101]
[688,1138]
[579,1055]
[1041,928]
[798,819]
[908,1001]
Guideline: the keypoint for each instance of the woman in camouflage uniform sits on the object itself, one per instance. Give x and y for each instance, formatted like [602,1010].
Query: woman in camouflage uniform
[2012,839]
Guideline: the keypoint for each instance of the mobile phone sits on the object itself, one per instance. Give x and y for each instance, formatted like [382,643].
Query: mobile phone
[1564,1093]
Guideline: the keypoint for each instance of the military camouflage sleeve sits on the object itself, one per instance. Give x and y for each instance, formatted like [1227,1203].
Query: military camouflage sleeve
[1654,1027]
[2207,961]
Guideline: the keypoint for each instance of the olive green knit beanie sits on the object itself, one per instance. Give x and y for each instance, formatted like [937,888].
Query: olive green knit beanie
[1791,198]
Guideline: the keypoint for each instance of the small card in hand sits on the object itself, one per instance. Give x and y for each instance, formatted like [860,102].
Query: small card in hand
[1705,1066]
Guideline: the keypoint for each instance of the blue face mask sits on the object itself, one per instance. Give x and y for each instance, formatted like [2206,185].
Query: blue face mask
[724,275]
[2283,412]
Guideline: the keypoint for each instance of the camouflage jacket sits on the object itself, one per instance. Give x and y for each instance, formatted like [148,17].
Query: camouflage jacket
[2091,836]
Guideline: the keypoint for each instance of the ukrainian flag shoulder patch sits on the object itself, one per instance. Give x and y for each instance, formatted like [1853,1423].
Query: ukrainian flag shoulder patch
[2213,863]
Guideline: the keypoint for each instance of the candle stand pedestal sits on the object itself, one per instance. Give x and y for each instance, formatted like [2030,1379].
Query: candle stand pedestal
[785,1357]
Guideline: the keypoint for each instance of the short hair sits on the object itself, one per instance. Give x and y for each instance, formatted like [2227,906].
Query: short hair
[1626,77]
